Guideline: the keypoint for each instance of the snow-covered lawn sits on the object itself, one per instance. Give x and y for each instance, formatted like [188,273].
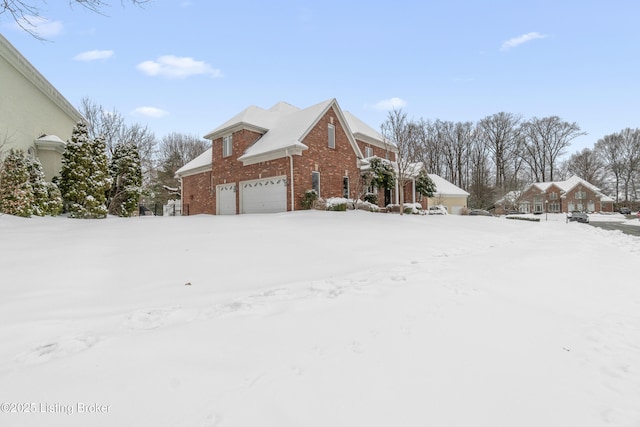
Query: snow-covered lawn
[318,319]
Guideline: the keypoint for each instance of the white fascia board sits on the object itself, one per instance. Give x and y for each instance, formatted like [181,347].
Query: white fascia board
[48,145]
[234,128]
[194,171]
[373,141]
[295,150]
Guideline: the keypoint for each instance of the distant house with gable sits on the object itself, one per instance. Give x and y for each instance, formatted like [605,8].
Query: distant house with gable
[573,194]
[34,116]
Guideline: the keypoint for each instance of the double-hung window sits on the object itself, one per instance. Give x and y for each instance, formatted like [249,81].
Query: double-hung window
[332,136]
[368,152]
[315,182]
[227,146]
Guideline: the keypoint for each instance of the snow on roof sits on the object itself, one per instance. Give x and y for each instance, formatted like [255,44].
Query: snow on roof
[287,129]
[446,188]
[357,126]
[50,138]
[567,184]
[203,161]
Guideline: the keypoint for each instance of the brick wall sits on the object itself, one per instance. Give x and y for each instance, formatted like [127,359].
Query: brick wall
[197,193]
[332,163]
[567,202]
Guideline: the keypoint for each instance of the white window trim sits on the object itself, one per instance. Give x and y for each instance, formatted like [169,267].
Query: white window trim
[331,137]
[227,145]
[368,152]
[319,182]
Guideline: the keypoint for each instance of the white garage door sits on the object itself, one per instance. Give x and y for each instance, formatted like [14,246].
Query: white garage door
[264,195]
[226,199]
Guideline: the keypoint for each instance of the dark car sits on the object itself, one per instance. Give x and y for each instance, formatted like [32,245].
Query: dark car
[625,211]
[480,212]
[578,217]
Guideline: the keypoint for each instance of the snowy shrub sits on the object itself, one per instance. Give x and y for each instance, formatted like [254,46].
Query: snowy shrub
[367,206]
[523,218]
[371,198]
[320,204]
[310,196]
[393,208]
[16,193]
[412,208]
[54,200]
[337,204]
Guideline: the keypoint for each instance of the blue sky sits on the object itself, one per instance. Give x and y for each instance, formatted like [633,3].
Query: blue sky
[187,66]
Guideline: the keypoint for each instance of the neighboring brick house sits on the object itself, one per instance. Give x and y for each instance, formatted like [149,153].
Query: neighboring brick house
[265,160]
[574,194]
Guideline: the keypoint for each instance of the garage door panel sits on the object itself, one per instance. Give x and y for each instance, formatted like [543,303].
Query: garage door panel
[226,199]
[267,195]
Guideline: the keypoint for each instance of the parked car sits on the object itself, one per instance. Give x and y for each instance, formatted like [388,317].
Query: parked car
[625,211]
[480,212]
[578,216]
[512,212]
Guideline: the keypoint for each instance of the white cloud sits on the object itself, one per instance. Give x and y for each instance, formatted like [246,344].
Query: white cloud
[93,55]
[152,112]
[40,26]
[517,41]
[176,67]
[389,104]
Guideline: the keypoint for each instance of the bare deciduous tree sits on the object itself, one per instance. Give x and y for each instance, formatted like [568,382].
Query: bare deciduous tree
[26,13]
[588,165]
[501,135]
[546,140]
[406,135]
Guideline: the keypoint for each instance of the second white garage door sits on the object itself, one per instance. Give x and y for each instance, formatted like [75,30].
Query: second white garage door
[264,195]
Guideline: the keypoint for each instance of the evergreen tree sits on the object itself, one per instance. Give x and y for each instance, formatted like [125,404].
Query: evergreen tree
[39,187]
[54,199]
[126,176]
[16,193]
[84,177]
[383,175]
[425,185]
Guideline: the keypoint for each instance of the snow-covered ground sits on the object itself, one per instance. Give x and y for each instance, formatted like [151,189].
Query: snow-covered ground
[318,319]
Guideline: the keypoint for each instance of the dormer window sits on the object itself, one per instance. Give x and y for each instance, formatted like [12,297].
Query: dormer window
[227,146]
[332,136]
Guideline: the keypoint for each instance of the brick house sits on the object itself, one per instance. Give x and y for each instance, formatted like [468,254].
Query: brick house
[574,194]
[265,160]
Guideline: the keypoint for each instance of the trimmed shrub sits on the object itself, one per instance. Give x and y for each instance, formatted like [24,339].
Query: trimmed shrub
[371,198]
[309,199]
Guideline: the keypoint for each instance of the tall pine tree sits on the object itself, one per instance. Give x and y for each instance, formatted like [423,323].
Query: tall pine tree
[84,177]
[16,193]
[126,175]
